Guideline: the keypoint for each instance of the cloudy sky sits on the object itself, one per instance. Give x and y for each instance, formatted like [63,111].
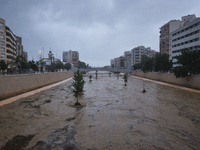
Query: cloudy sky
[99,30]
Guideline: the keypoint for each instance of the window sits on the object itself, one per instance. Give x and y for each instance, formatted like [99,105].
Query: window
[2,37]
[2,55]
[3,49]
[2,43]
[2,31]
[1,25]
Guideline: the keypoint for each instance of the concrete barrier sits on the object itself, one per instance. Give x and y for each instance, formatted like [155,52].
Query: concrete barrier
[11,85]
[192,81]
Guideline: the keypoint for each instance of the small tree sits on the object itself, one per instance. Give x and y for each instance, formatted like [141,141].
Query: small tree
[78,85]
[20,61]
[68,66]
[189,63]
[125,78]
[3,65]
[90,76]
[109,74]
[33,65]
[96,74]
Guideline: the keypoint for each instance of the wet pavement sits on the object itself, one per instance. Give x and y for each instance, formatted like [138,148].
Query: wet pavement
[113,117]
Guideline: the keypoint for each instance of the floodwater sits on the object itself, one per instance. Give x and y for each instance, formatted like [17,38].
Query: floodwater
[113,117]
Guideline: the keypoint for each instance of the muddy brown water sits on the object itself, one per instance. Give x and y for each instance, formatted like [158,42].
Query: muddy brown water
[114,117]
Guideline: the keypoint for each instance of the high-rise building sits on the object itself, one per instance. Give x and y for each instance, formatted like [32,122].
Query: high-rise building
[137,52]
[71,57]
[185,37]
[3,40]
[164,35]
[11,45]
[169,27]
[19,46]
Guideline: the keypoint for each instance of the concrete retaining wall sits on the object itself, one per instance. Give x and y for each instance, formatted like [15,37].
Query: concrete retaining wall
[192,81]
[11,85]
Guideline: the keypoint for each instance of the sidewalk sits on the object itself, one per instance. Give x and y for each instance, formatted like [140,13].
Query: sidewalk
[168,84]
[12,99]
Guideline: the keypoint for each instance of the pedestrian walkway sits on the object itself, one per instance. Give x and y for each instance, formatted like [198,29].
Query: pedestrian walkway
[12,99]
[168,84]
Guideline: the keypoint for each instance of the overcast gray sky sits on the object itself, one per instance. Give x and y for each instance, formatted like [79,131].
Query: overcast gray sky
[99,30]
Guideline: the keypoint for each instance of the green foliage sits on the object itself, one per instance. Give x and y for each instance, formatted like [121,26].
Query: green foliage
[125,78]
[137,66]
[78,84]
[68,66]
[51,67]
[146,63]
[21,63]
[160,62]
[3,65]
[33,65]
[81,64]
[90,77]
[54,66]
[59,65]
[96,73]
[180,71]
[189,61]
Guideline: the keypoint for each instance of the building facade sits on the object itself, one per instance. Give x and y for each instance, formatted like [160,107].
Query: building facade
[3,40]
[164,35]
[47,61]
[11,45]
[71,57]
[186,37]
[137,52]
[132,57]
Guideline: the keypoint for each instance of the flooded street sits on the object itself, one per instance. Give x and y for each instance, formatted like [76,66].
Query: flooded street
[113,117]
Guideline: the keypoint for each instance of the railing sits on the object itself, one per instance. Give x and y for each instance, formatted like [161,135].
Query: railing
[103,69]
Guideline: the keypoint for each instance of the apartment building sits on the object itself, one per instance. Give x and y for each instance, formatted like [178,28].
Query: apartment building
[3,40]
[19,46]
[71,57]
[11,45]
[127,55]
[137,52]
[164,34]
[185,37]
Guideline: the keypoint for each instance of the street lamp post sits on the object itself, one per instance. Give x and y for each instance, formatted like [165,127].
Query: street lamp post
[43,59]
[40,57]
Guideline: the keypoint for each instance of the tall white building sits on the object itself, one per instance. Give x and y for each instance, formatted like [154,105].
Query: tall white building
[185,37]
[137,52]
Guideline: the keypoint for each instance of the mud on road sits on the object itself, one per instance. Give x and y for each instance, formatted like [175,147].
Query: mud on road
[114,116]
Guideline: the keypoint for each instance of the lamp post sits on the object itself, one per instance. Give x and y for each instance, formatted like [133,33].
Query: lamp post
[40,57]
[43,59]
